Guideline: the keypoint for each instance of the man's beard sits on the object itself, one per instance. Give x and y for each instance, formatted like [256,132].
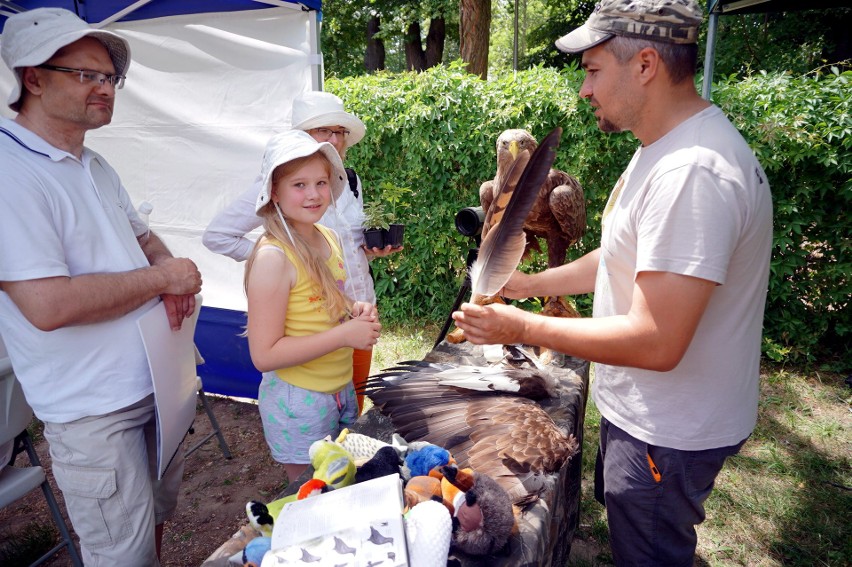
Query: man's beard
[609,127]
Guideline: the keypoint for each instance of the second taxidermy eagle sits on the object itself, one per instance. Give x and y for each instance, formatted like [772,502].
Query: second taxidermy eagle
[558,214]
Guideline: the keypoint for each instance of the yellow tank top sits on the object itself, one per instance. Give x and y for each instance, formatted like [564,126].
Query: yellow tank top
[307,315]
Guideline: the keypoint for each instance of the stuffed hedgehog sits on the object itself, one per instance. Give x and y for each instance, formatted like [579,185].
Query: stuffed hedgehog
[483,517]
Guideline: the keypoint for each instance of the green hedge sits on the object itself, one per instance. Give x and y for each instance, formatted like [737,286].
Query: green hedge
[433,134]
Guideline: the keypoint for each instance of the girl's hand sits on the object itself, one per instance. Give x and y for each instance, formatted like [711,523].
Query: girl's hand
[361,332]
[362,308]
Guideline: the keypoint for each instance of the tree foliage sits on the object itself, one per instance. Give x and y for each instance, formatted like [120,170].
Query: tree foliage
[797,42]
[364,36]
[434,133]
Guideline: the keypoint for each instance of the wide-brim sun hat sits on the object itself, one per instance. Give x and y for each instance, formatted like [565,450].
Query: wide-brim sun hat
[294,144]
[316,109]
[34,36]
[666,21]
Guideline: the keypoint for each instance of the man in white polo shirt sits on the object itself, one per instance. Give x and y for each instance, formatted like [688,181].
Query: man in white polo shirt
[77,268]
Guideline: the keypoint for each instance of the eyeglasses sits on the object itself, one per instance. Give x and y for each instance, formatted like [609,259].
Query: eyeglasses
[325,134]
[88,76]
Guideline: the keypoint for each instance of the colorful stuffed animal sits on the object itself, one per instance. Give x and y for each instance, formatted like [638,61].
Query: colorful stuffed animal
[255,550]
[333,468]
[422,461]
[484,517]
[332,463]
[384,462]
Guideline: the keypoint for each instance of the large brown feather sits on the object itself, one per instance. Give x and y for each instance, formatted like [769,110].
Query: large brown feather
[498,206]
[503,247]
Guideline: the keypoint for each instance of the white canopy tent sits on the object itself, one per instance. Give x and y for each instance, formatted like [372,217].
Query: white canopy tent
[205,90]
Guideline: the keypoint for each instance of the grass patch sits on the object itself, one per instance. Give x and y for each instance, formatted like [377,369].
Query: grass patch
[786,498]
[403,342]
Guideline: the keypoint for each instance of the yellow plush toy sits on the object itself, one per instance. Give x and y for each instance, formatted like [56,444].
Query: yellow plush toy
[332,463]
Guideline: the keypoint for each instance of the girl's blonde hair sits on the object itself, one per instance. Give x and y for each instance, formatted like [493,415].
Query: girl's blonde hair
[324,283]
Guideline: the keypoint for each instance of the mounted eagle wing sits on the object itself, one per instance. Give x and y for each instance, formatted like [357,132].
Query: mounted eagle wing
[487,417]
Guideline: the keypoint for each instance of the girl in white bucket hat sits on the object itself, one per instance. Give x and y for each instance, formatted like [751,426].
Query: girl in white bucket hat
[301,326]
[322,116]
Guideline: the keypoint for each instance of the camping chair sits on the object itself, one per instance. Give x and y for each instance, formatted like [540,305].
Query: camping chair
[17,482]
[217,431]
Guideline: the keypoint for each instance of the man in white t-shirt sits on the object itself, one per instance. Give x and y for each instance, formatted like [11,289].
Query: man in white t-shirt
[77,269]
[680,283]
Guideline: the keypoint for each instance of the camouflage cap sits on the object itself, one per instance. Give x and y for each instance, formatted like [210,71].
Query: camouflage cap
[668,21]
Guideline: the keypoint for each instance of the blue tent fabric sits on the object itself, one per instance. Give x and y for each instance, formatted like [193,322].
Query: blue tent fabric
[227,367]
[94,11]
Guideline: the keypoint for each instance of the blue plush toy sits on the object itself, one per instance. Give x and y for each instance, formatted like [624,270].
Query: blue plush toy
[421,461]
[255,550]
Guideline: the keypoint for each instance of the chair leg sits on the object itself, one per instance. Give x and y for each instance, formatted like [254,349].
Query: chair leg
[76,560]
[216,430]
[222,444]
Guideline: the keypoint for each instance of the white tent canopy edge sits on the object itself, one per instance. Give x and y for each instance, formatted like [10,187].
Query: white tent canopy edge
[204,93]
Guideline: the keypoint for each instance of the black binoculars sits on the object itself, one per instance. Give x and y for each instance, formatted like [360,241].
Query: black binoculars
[469,221]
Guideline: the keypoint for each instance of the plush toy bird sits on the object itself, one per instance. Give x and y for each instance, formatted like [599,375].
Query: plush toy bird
[332,463]
[333,468]
[486,417]
[428,531]
[362,448]
[558,213]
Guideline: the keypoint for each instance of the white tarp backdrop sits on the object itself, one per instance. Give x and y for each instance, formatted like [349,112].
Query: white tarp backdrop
[204,92]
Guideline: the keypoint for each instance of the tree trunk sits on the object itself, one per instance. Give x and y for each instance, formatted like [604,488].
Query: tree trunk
[374,56]
[415,58]
[435,42]
[474,30]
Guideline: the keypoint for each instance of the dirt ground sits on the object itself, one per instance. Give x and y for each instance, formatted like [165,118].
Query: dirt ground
[213,494]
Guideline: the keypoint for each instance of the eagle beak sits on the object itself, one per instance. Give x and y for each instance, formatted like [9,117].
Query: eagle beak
[513,149]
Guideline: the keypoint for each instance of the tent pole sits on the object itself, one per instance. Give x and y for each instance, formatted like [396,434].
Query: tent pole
[709,56]
[317,63]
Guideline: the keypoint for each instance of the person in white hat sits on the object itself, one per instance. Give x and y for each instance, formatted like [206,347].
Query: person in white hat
[679,283]
[321,115]
[77,269]
[301,325]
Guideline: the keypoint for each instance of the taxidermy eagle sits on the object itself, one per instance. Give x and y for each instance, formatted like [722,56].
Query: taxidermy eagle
[525,200]
[558,214]
[485,416]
